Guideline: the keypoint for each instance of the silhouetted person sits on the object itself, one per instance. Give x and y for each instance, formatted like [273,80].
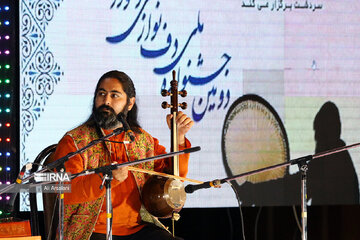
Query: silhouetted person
[331,179]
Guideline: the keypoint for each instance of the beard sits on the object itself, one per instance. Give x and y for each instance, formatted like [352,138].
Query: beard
[107,119]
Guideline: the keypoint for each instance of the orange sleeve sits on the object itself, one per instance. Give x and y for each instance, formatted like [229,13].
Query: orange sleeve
[84,188]
[161,165]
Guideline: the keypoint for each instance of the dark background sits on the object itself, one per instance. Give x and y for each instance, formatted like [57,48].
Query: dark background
[274,223]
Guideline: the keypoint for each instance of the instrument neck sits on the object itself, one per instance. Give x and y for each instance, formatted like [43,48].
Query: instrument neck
[175,144]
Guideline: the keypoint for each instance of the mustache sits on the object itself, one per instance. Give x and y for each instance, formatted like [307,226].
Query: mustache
[105,107]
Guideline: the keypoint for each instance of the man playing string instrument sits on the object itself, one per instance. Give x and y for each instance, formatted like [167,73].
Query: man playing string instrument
[85,208]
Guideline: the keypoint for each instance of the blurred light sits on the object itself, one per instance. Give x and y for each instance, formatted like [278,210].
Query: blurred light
[7,95]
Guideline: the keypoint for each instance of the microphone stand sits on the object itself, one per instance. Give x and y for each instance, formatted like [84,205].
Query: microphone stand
[59,166]
[108,177]
[109,208]
[107,172]
[303,166]
[302,162]
[58,163]
[61,204]
[104,169]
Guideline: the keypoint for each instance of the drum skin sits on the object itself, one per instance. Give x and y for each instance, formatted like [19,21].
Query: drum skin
[160,198]
[253,137]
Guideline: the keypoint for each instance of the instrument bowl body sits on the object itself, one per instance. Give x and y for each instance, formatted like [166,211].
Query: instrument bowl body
[162,196]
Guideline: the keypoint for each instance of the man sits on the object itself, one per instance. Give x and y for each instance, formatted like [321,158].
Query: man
[85,208]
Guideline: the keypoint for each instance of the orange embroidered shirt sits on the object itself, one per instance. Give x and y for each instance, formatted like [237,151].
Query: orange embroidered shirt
[125,195]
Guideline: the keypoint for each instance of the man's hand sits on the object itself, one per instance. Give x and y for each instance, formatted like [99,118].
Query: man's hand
[121,174]
[184,123]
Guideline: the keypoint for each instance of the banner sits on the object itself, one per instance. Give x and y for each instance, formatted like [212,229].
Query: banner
[293,58]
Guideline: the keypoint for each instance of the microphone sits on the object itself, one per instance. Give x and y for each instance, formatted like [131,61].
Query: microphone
[193,149]
[9,206]
[190,188]
[121,118]
[26,167]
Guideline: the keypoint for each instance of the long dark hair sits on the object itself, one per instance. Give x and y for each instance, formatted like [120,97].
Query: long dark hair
[129,89]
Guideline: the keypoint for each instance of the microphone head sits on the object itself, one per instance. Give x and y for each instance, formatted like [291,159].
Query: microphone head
[131,135]
[189,188]
[122,118]
[193,149]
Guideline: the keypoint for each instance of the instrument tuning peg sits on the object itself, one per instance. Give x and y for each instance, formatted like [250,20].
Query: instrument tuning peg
[165,93]
[183,93]
[165,105]
[183,105]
